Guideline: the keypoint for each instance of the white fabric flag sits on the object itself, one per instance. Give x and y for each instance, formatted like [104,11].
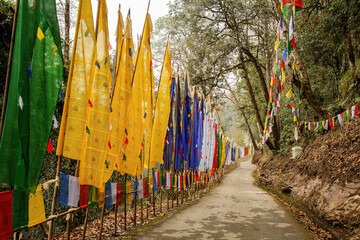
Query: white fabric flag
[74,191]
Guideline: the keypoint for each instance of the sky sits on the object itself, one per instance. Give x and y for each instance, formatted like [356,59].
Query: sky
[158,8]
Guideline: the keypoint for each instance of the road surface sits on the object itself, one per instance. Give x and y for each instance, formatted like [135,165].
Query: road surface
[235,209]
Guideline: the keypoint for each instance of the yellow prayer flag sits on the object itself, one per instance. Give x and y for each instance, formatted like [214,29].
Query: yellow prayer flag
[121,96]
[149,86]
[119,38]
[295,118]
[72,127]
[276,45]
[36,207]
[283,77]
[120,92]
[139,124]
[289,94]
[162,112]
[93,157]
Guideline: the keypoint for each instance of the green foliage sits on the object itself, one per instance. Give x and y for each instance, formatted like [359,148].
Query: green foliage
[6,19]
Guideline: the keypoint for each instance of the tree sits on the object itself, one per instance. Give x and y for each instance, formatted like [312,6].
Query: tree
[230,42]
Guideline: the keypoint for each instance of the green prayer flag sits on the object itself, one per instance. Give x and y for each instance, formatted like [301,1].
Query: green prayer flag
[47,72]
[35,79]
[12,166]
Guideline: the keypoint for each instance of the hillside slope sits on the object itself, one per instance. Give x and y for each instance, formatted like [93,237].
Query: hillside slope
[324,179]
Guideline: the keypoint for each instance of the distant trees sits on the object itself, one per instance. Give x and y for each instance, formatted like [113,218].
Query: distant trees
[217,40]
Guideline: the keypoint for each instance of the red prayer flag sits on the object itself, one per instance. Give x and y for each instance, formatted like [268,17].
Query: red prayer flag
[146,188]
[84,196]
[284,2]
[119,194]
[356,110]
[6,215]
[50,146]
[297,3]
[331,123]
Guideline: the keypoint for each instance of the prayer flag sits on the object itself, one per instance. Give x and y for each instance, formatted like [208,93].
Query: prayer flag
[121,94]
[6,215]
[289,94]
[35,78]
[194,157]
[340,118]
[94,160]
[71,135]
[291,39]
[355,111]
[120,193]
[140,107]
[169,139]
[110,194]
[179,153]
[84,196]
[143,189]
[69,190]
[36,207]
[297,5]
[162,113]
[186,123]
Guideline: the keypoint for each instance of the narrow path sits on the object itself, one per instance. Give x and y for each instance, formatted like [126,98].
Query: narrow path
[235,209]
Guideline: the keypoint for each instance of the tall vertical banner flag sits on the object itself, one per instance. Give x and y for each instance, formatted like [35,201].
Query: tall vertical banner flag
[169,139]
[205,149]
[139,114]
[162,112]
[122,92]
[179,153]
[119,39]
[72,127]
[35,79]
[186,123]
[93,157]
[194,150]
[149,93]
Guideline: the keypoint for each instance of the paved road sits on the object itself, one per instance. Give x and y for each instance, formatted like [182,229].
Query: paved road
[235,209]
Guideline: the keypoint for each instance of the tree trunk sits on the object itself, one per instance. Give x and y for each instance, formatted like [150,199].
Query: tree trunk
[259,71]
[249,129]
[252,95]
[66,54]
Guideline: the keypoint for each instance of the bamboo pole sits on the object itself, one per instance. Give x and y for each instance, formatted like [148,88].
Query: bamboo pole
[125,192]
[85,223]
[55,194]
[154,193]
[8,69]
[116,206]
[160,199]
[168,203]
[135,206]
[141,209]
[68,226]
[102,217]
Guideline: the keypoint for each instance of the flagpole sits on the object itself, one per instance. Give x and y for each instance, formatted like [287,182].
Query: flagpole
[8,67]
[125,192]
[53,204]
[102,217]
[116,206]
